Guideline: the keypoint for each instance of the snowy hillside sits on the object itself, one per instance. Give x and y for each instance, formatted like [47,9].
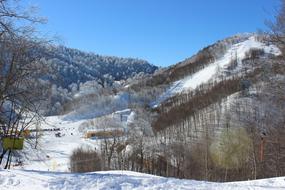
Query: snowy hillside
[237,51]
[59,136]
[124,180]
[136,137]
[53,152]
[77,120]
[71,66]
[73,72]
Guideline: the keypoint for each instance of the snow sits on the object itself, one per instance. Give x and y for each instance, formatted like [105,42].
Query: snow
[104,106]
[52,153]
[51,158]
[131,118]
[206,74]
[122,115]
[40,172]
[125,180]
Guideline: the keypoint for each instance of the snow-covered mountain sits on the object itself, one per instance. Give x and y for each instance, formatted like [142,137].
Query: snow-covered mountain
[169,123]
[71,71]
[70,67]
[236,52]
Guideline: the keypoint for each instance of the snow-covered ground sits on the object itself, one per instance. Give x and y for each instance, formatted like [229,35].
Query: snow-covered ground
[237,51]
[118,180]
[53,152]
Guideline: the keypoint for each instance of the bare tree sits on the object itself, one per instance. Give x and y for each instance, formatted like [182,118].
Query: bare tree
[277,27]
[20,70]
[85,160]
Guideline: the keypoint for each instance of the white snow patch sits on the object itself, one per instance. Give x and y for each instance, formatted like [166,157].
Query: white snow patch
[131,118]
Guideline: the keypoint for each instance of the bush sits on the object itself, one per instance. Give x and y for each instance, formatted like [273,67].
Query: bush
[83,160]
[232,149]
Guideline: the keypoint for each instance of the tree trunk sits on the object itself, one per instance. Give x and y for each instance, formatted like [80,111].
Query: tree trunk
[2,155]
[8,160]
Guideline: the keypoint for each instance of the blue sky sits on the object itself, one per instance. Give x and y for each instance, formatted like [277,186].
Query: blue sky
[163,32]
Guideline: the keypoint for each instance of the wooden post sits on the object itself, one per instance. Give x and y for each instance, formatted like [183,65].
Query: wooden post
[262,144]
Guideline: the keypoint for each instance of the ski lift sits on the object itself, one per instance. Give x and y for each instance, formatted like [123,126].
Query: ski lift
[12,143]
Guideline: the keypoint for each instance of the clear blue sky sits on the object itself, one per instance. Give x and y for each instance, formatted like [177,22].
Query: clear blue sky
[163,32]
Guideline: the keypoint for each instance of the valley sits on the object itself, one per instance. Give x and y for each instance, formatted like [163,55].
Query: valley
[79,118]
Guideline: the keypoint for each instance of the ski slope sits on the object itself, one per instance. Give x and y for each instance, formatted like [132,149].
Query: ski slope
[53,153]
[119,180]
[206,74]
